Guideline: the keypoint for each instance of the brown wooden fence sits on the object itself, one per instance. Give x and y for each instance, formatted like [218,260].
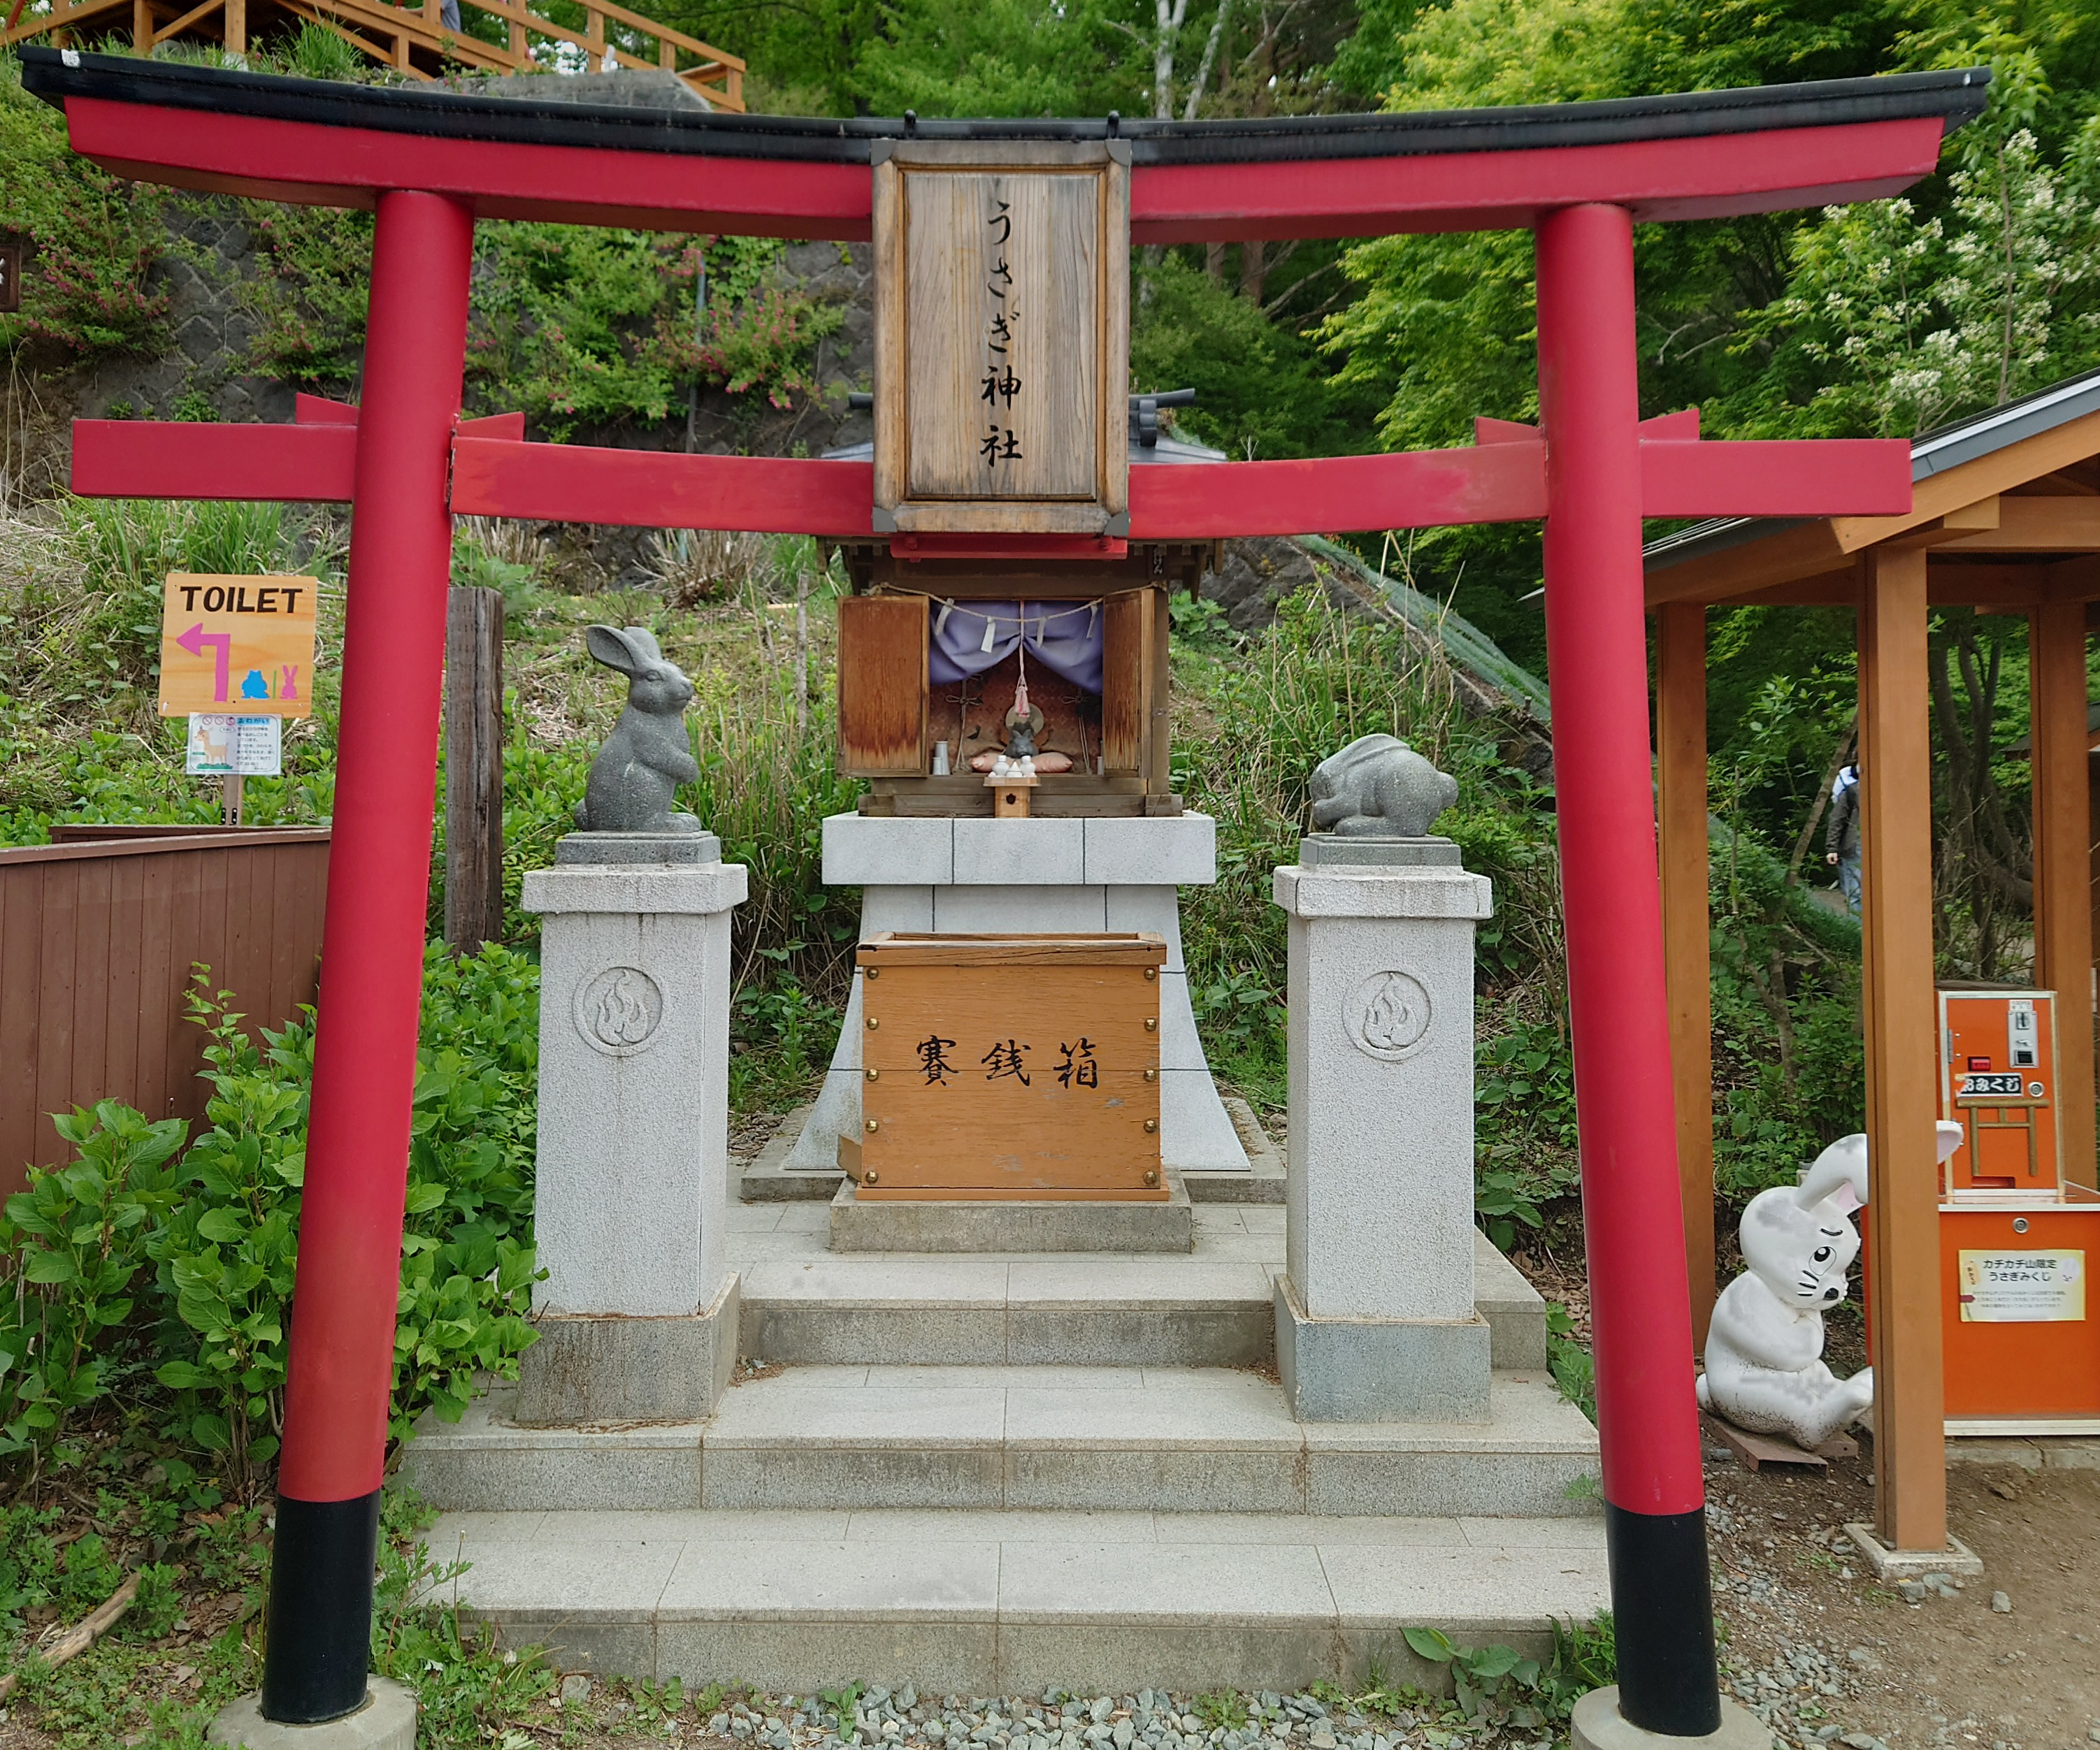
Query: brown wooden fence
[97,938]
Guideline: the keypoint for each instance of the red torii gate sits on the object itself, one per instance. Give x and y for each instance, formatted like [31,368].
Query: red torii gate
[1579,175]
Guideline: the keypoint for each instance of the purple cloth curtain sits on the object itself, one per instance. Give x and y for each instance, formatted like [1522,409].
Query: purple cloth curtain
[1064,637]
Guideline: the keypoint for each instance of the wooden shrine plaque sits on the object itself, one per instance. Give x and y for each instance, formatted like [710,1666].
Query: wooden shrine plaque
[1002,318]
[1023,1066]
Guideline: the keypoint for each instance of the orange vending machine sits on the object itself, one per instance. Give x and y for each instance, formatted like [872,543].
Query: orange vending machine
[2022,1352]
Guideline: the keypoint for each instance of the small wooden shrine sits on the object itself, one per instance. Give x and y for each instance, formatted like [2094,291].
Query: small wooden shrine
[935,654]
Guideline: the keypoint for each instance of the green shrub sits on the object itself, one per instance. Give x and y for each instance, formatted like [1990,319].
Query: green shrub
[91,238]
[215,1234]
[226,1251]
[72,1248]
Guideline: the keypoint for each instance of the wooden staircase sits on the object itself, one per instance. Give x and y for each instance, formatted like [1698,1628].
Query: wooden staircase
[411,40]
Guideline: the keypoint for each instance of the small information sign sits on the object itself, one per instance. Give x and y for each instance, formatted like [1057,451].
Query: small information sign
[2022,1288]
[221,746]
[237,645]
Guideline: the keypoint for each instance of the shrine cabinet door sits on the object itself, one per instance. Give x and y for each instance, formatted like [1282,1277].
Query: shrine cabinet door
[882,685]
[1132,648]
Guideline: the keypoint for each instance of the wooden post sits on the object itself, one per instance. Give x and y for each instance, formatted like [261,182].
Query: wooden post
[237,27]
[473,768]
[142,27]
[2063,866]
[1680,744]
[1903,1053]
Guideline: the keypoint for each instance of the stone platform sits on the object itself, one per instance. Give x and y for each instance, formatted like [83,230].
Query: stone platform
[986,1473]
[974,1602]
[1004,1224]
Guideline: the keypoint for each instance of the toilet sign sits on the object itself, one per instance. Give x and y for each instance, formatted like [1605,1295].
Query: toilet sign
[237,645]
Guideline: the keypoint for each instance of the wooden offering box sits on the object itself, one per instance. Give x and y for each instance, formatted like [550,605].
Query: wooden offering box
[1011,1066]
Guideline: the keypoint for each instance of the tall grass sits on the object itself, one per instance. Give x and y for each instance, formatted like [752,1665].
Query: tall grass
[81,737]
[1250,724]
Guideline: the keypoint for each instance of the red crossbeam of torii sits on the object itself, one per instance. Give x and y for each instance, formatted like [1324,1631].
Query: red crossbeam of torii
[1579,176]
[496,473]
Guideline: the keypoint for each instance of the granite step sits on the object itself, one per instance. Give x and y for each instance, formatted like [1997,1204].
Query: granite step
[1214,1306]
[1037,1439]
[990,1602]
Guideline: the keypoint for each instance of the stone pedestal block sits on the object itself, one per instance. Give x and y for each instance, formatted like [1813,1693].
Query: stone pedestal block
[1381,1369]
[387,1721]
[1380,1317]
[632,1208]
[1003,1224]
[958,877]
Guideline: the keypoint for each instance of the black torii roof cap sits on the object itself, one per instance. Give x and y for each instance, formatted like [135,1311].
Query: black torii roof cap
[437,112]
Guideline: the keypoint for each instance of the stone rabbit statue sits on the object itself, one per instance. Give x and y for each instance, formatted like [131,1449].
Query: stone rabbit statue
[1764,1352]
[637,771]
[1378,787]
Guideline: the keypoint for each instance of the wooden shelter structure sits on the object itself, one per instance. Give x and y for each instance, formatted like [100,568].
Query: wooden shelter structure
[417,40]
[2005,519]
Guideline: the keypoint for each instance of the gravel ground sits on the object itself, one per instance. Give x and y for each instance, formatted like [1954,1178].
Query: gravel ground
[1150,1720]
[1826,1654]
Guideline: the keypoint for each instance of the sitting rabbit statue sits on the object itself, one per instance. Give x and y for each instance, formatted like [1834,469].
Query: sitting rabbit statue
[1764,1352]
[637,771]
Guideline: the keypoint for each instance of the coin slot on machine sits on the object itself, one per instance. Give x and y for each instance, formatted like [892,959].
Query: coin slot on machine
[2022,1355]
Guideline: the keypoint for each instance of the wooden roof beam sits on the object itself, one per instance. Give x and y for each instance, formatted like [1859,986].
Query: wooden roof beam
[1988,588]
[1835,589]
[1958,524]
[2036,525]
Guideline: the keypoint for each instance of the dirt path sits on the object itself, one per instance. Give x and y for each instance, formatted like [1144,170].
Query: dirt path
[1831,1656]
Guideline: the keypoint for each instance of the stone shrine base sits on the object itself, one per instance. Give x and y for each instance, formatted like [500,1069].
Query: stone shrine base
[1002,1224]
[986,1473]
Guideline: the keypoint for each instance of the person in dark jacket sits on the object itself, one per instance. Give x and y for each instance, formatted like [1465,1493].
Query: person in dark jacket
[1841,837]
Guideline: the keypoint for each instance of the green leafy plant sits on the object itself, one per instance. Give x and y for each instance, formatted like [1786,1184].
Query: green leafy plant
[845,1705]
[1501,1686]
[91,238]
[227,1250]
[467,1688]
[69,1256]
[1574,1369]
[1222,1708]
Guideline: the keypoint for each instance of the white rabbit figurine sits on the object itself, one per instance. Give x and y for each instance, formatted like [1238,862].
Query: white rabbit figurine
[1764,1352]
[638,770]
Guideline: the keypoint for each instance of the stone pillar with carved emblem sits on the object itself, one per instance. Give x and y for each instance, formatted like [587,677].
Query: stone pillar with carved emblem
[1375,1316]
[638,1316]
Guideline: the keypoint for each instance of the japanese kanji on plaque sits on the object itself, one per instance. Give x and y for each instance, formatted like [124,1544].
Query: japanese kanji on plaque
[1011,1066]
[1002,317]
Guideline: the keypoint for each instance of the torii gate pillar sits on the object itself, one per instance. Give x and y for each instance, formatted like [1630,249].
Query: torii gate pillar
[1611,894]
[371,962]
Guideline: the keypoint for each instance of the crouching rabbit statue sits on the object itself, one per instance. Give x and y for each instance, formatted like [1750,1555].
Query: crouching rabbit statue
[1764,1352]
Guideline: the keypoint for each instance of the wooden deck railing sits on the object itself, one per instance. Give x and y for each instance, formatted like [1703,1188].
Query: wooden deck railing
[413,40]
